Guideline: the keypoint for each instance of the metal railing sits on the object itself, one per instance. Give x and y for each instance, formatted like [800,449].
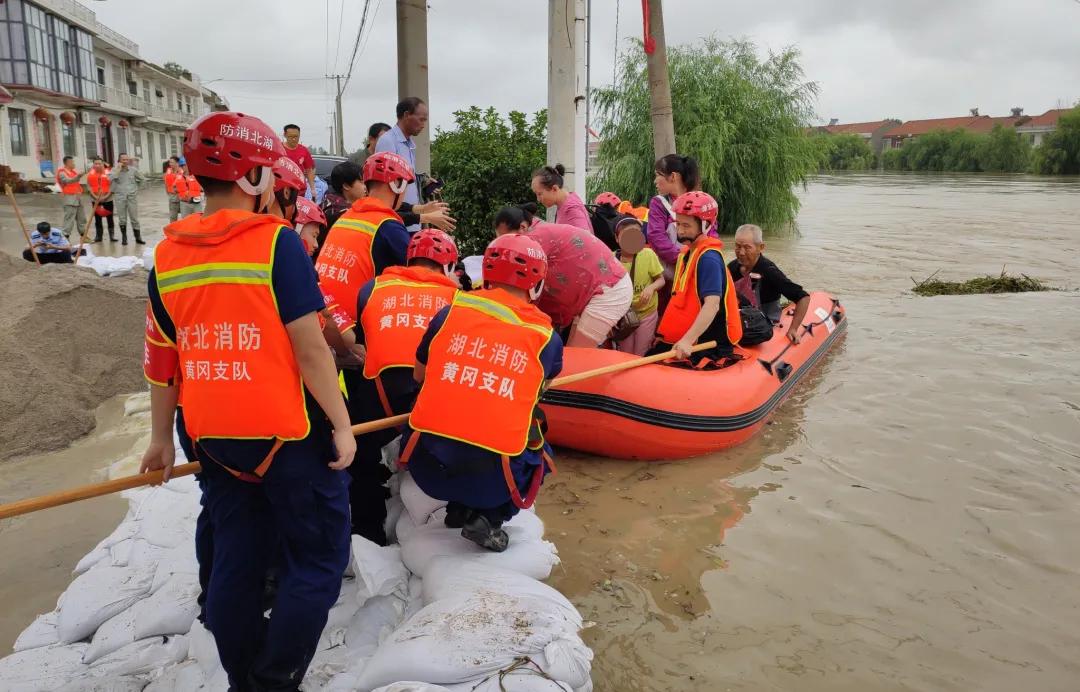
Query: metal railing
[117,39]
[117,97]
[70,9]
[153,110]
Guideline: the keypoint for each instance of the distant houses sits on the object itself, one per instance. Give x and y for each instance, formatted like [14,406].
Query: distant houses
[871,131]
[1041,125]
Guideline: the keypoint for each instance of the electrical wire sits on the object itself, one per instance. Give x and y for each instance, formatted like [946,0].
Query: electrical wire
[341,23]
[615,65]
[356,45]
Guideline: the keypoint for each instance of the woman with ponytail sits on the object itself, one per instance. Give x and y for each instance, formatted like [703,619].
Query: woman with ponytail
[547,185]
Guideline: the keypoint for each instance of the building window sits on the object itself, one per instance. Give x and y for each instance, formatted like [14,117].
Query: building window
[136,137]
[122,140]
[146,90]
[17,125]
[150,148]
[100,64]
[161,141]
[68,131]
[91,141]
[174,147]
[84,46]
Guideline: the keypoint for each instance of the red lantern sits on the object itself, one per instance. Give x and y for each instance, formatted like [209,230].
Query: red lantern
[42,114]
[67,117]
[123,123]
[105,122]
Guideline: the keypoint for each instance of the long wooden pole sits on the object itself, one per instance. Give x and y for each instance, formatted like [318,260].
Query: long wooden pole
[22,224]
[82,238]
[86,492]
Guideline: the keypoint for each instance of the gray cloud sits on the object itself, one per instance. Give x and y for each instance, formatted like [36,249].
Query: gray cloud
[921,58]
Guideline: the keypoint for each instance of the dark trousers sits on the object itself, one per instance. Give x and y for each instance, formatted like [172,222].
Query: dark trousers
[297,518]
[98,230]
[49,257]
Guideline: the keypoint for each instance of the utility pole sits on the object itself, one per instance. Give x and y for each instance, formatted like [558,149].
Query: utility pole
[659,87]
[567,90]
[412,55]
[340,139]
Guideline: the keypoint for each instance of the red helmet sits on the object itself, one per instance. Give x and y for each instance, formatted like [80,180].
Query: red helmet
[516,260]
[697,204]
[387,167]
[288,175]
[227,145]
[308,212]
[432,244]
[609,198]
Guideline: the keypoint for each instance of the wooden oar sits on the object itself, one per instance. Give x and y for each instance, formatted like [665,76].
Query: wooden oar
[86,492]
[22,224]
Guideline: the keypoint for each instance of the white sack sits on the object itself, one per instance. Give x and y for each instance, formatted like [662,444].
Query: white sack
[142,657]
[344,608]
[404,528]
[99,594]
[45,668]
[43,631]
[374,622]
[395,508]
[534,558]
[378,569]
[183,676]
[112,683]
[170,610]
[420,505]
[203,649]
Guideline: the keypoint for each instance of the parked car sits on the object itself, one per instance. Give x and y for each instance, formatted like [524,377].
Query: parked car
[324,164]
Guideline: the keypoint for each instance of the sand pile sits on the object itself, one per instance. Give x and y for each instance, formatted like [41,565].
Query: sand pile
[69,339]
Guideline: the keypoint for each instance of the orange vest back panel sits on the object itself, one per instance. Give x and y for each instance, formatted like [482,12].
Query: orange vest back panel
[402,304]
[684,306]
[484,373]
[345,263]
[240,377]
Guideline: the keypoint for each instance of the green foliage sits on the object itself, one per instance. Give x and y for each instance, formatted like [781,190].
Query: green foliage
[959,150]
[177,70]
[486,162]
[1059,154]
[1004,283]
[846,152]
[741,117]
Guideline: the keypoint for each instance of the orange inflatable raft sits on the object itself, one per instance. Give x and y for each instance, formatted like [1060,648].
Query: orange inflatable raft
[663,412]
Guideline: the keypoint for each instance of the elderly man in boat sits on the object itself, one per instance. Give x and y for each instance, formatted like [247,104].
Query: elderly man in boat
[759,281]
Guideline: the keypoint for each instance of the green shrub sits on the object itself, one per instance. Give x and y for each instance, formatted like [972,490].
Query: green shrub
[1059,153]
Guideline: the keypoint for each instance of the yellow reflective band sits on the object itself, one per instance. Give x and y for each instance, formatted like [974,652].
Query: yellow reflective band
[357,225]
[214,273]
[384,283]
[498,311]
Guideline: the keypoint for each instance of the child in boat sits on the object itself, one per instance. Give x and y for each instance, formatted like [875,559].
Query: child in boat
[647,274]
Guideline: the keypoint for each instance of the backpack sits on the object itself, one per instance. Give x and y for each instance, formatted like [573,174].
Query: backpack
[603,218]
[757,327]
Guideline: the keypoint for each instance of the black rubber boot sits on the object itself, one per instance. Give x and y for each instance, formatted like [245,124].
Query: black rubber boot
[123,235]
[480,531]
[138,237]
[456,514]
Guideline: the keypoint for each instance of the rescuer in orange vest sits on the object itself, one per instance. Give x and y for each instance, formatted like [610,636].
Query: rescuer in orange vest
[233,339]
[703,306]
[394,310]
[476,436]
[189,192]
[97,181]
[171,174]
[68,178]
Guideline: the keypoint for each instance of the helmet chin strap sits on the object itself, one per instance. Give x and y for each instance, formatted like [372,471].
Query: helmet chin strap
[399,186]
[266,176]
[448,269]
[535,291]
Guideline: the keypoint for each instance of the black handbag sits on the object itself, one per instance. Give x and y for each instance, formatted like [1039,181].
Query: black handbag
[629,322]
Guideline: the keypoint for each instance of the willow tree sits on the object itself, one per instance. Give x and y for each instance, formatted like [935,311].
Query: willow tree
[742,117]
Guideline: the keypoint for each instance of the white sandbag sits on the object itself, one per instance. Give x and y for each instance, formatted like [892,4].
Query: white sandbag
[125,531]
[44,668]
[325,666]
[456,640]
[169,610]
[417,502]
[148,258]
[349,679]
[90,559]
[395,508]
[378,569]
[43,631]
[409,686]
[136,552]
[375,620]
[99,594]
[416,597]
[526,678]
[203,650]
[112,683]
[453,577]
[170,520]
[142,657]
[404,528]
[569,660]
[391,452]
[534,558]
[179,561]
[186,675]
[345,607]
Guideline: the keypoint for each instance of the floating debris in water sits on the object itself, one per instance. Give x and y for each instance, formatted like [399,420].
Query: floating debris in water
[1002,283]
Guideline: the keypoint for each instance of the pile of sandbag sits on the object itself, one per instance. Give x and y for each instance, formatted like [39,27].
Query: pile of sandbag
[109,266]
[431,613]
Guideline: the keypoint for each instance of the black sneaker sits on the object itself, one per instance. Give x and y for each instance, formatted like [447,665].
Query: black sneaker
[479,530]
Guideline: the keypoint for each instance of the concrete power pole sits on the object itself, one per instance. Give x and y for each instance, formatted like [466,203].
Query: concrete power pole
[659,87]
[339,132]
[566,90]
[413,66]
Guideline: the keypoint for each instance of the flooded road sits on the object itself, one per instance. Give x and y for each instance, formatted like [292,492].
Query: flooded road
[908,521]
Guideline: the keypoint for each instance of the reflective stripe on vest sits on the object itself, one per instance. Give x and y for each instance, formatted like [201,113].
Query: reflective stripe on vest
[74,188]
[396,316]
[345,262]
[685,305]
[240,377]
[484,374]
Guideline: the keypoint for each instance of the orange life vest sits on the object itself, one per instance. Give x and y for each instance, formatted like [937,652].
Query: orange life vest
[187,187]
[170,182]
[684,306]
[397,314]
[74,188]
[484,373]
[345,262]
[241,379]
[99,183]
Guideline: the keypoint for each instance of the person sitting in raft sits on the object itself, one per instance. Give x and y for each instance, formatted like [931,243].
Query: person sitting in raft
[394,311]
[586,281]
[50,245]
[647,273]
[703,304]
[475,437]
[761,282]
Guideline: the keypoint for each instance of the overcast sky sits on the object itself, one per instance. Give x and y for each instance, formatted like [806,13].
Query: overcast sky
[871,59]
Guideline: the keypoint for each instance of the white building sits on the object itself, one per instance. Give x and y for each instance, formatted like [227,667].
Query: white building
[78,88]
[1036,129]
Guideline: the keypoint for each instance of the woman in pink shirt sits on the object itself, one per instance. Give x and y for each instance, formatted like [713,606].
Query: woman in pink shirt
[547,185]
[584,279]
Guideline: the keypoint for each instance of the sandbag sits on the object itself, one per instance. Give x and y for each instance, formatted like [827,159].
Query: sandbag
[527,678]
[409,686]
[456,640]
[142,657]
[404,528]
[378,569]
[43,631]
[349,679]
[345,607]
[112,683]
[418,503]
[127,529]
[170,610]
[373,622]
[534,558]
[178,562]
[99,594]
[203,650]
[186,675]
[326,665]
[44,668]
[395,509]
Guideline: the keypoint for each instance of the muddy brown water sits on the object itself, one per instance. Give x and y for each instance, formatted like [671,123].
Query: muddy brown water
[907,521]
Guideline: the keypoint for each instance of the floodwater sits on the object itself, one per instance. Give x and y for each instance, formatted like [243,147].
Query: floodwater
[910,520]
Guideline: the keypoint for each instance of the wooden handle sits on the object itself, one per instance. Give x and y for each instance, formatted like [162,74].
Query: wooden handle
[86,231]
[153,478]
[22,224]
